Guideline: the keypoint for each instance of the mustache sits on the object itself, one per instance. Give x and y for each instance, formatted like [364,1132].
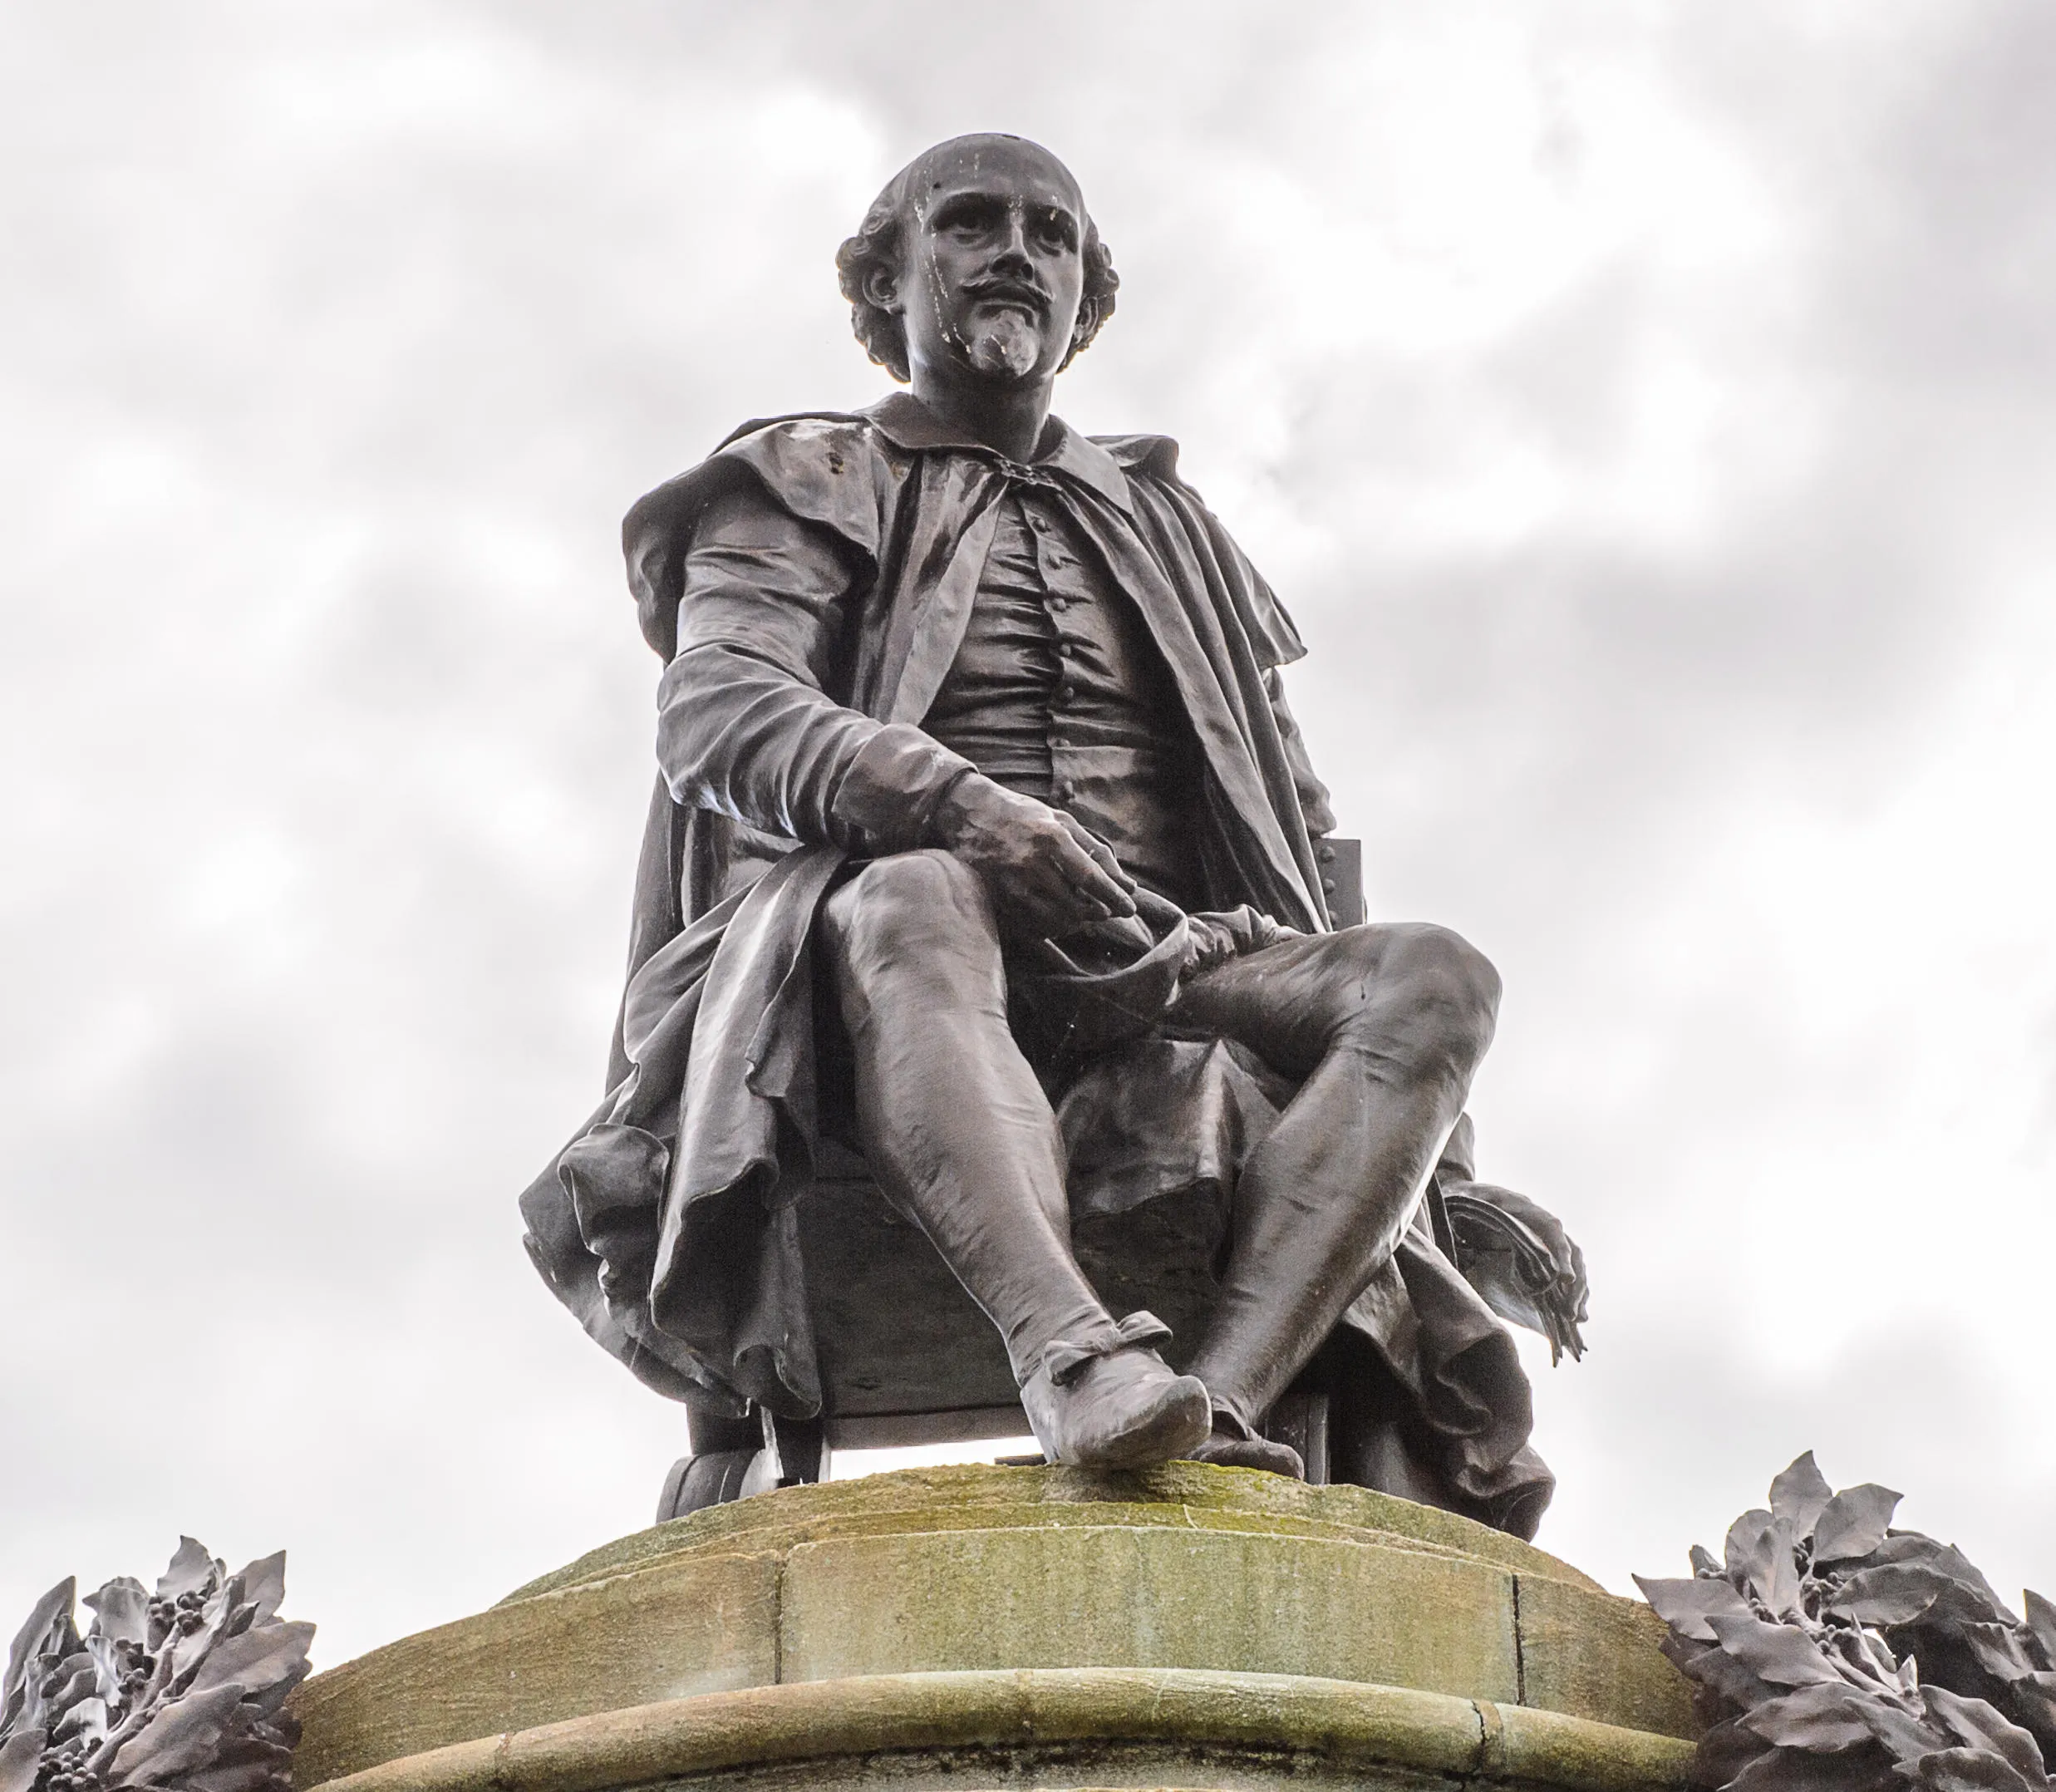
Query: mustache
[1009,286]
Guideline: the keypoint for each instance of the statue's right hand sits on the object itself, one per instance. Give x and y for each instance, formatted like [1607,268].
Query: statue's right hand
[1037,861]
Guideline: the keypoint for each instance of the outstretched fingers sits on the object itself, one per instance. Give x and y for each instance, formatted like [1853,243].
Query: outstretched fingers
[1093,871]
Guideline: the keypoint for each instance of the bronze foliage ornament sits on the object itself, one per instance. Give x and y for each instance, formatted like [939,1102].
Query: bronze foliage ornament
[1833,1653]
[181,1689]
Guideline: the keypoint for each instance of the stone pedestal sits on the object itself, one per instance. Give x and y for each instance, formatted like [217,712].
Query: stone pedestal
[1192,1627]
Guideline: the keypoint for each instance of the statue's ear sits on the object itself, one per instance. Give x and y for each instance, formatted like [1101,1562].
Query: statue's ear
[881,287]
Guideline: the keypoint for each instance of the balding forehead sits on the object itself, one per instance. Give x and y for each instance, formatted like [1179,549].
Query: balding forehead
[978,161]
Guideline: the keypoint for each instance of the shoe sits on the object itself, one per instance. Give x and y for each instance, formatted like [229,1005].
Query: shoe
[1227,1448]
[1111,1402]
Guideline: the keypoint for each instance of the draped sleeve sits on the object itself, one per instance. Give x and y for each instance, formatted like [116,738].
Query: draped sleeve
[750,567]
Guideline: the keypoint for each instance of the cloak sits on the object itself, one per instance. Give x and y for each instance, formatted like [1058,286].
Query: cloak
[669,1224]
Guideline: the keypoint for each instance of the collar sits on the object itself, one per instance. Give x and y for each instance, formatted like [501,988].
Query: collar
[903,420]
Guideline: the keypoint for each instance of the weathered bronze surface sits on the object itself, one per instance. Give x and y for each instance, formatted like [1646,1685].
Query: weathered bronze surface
[999,1026]
[184,1687]
[1831,1649]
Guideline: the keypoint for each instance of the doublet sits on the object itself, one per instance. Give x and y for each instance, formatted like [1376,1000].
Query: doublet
[1057,691]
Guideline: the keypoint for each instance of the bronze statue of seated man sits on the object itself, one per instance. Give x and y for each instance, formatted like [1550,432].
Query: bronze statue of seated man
[976,763]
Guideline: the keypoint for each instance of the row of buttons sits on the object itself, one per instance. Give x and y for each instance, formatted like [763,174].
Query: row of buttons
[1055,560]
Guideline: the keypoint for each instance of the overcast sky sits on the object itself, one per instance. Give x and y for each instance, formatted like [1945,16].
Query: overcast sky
[1644,410]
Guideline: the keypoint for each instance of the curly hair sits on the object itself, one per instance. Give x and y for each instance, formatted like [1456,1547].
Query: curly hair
[879,242]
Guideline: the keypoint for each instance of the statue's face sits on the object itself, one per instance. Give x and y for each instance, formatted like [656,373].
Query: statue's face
[994,262]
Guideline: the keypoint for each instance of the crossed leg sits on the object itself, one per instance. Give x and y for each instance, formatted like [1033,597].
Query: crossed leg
[1384,1025]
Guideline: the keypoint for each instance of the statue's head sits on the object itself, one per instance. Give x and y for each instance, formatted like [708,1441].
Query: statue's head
[979,253]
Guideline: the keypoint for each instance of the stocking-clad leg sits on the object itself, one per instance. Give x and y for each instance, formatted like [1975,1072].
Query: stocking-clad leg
[953,1124]
[1386,1026]
[960,1136]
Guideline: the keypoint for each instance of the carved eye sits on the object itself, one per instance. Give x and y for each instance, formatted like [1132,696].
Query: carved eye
[967,218]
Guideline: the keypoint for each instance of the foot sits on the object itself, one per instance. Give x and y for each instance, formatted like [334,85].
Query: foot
[1228,1448]
[1122,1410]
[712,1477]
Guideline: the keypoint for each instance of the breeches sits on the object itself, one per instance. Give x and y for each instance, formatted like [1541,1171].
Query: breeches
[1380,1025]
[917,931]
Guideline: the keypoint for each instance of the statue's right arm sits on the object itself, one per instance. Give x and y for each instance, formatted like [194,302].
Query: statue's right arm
[749,722]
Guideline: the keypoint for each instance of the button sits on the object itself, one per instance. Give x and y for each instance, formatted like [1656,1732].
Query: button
[1326,855]
[1057,601]
[1327,886]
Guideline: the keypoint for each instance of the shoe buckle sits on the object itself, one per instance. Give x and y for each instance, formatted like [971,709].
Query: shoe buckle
[1063,1360]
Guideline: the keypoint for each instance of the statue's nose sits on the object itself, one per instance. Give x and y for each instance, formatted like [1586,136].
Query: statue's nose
[1013,254]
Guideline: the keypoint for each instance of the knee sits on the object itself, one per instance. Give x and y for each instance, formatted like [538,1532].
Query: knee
[1445,988]
[901,911]
[1454,987]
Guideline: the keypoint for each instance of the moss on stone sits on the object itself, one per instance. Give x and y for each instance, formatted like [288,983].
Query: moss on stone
[1147,1598]
[1184,1494]
[1592,1654]
[1305,1732]
[931,1573]
[700,1626]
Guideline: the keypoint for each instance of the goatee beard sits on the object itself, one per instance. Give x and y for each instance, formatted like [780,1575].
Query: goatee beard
[1006,345]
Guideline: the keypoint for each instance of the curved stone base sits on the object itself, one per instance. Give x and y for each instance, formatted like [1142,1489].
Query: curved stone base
[1189,1626]
[1071,1728]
